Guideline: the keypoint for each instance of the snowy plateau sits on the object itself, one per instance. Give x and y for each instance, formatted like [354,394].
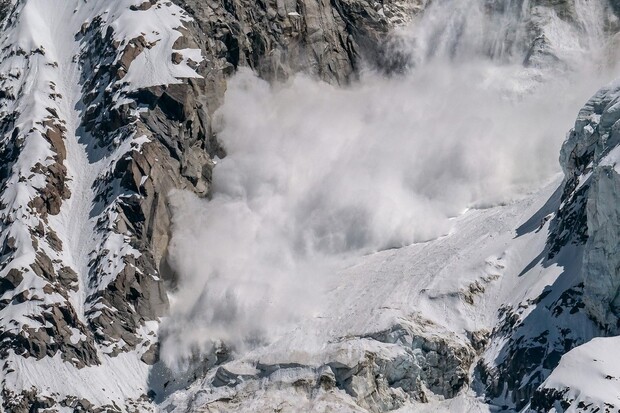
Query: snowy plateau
[309,206]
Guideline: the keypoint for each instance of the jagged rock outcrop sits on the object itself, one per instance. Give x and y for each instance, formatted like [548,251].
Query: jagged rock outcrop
[326,39]
[583,302]
[413,360]
[589,158]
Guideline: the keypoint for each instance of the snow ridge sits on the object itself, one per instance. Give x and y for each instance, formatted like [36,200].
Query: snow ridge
[59,249]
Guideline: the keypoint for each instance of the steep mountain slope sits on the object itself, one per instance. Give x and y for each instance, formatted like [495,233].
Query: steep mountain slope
[499,324]
[107,108]
[80,285]
[589,156]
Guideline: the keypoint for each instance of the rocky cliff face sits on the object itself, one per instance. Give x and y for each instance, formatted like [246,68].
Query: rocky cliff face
[586,224]
[107,108]
[589,158]
[582,303]
[330,40]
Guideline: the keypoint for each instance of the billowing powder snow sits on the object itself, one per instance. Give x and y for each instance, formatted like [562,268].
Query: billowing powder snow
[317,174]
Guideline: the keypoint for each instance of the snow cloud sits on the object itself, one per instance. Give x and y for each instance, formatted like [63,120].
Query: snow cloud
[316,172]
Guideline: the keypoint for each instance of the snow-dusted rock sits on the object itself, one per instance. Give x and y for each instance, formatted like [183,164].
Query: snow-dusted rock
[81,284]
[382,371]
[583,302]
[589,159]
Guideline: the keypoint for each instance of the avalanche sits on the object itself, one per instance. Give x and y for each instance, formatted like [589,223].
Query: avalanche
[388,230]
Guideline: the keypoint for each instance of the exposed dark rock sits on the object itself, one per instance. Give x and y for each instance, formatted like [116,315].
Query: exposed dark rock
[277,39]
[58,336]
[544,400]
[143,6]
[54,242]
[51,196]
[44,267]
[151,355]
[68,278]
[177,58]
[11,281]
[132,50]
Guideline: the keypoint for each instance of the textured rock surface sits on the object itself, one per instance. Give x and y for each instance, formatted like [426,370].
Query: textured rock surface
[328,39]
[589,157]
[583,240]
[413,360]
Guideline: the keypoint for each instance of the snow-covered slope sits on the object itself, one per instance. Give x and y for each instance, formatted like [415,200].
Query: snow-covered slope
[60,253]
[585,379]
[482,314]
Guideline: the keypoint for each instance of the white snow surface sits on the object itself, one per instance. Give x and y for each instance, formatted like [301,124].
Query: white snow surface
[590,375]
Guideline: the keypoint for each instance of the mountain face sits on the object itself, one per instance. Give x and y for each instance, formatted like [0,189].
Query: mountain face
[108,110]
